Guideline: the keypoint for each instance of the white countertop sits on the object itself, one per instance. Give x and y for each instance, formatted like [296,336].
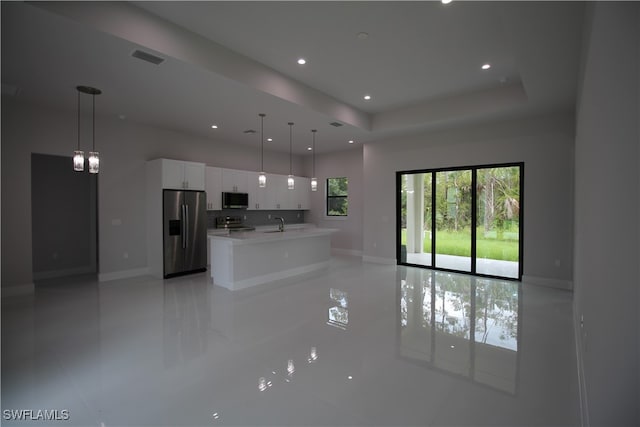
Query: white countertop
[272,234]
[260,228]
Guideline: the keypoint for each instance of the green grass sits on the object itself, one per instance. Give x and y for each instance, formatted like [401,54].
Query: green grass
[459,243]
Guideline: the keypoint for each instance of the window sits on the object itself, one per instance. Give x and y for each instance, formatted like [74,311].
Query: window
[337,202]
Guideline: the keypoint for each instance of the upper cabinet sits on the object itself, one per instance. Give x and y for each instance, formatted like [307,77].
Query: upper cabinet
[213,187]
[257,195]
[302,196]
[235,181]
[180,175]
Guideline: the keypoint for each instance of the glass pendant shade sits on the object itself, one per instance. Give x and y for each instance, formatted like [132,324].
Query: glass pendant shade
[262,178]
[314,180]
[78,161]
[94,162]
[290,182]
[78,155]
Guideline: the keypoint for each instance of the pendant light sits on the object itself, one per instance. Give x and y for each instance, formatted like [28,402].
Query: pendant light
[262,178]
[314,180]
[290,181]
[94,156]
[78,155]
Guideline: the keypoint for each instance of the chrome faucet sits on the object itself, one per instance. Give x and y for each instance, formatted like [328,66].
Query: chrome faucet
[281,226]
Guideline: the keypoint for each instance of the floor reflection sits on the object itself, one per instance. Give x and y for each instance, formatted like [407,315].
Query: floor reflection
[338,314]
[461,324]
[186,321]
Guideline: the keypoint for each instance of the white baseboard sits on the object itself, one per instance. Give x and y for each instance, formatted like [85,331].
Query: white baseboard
[123,274]
[349,252]
[378,260]
[12,291]
[549,283]
[54,274]
[582,386]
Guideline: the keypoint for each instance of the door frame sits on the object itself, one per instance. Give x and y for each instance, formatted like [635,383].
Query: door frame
[474,169]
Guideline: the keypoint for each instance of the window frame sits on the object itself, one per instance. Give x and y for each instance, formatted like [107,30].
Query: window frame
[328,198]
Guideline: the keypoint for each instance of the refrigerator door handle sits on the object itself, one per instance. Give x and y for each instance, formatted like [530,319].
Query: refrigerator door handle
[186,220]
[184,225]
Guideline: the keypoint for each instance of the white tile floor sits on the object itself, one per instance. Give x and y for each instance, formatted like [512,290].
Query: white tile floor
[357,344]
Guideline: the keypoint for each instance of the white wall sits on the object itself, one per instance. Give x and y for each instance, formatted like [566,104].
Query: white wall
[607,213]
[348,164]
[124,148]
[544,144]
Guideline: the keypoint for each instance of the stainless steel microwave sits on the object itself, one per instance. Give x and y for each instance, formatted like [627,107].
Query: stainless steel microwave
[235,200]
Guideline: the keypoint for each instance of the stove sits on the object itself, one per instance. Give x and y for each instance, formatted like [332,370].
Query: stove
[232,223]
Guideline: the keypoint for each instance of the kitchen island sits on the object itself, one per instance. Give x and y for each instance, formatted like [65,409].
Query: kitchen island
[243,259]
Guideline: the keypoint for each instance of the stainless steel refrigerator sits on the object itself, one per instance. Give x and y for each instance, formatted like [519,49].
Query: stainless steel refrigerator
[185,232]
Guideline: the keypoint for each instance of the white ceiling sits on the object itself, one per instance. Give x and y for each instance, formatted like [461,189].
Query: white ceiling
[228,61]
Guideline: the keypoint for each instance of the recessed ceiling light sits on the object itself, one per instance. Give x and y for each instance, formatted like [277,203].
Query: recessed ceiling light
[446,1]
[214,126]
[367,97]
[302,61]
[351,141]
[309,148]
[486,66]
[269,139]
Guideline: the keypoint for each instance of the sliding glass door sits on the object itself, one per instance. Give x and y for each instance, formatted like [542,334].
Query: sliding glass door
[453,220]
[498,221]
[462,219]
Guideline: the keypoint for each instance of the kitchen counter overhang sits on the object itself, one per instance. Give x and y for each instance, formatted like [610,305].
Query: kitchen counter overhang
[243,259]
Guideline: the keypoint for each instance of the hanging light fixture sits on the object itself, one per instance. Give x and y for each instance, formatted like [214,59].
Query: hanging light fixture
[94,156]
[314,180]
[290,181]
[78,154]
[262,178]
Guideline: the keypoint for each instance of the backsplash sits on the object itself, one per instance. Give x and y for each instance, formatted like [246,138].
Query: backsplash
[257,218]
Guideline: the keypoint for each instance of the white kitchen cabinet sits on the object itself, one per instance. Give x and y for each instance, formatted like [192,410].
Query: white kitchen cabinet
[278,195]
[235,181]
[302,196]
[213,187]
[181,175]
[257,195]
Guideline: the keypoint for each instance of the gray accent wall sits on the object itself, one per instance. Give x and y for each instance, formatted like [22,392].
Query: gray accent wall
[607,234]
[124,149]
[63,212]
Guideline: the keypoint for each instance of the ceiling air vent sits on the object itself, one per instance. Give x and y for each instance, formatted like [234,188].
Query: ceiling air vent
[147,57]
[335,124]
